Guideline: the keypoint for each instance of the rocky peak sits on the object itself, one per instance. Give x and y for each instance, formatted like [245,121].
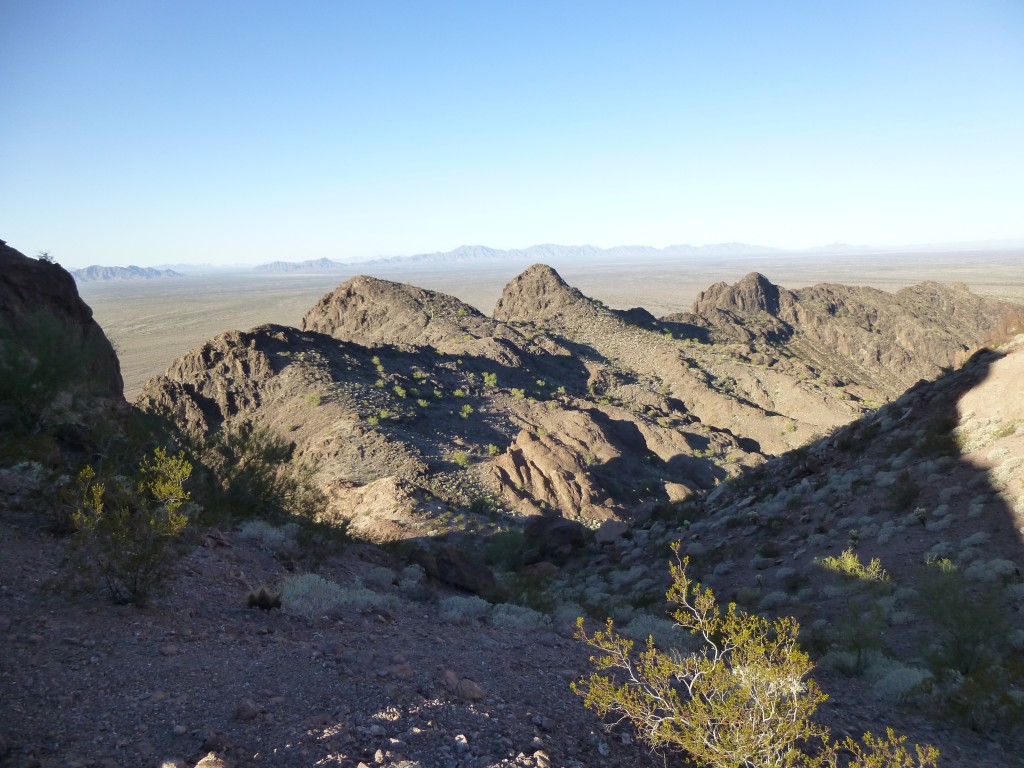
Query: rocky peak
[34,291]
[537,293]
[371,311]
[753,293]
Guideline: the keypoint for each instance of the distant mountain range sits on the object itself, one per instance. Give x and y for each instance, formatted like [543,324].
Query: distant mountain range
[312,265]
[96,273]
[545,253]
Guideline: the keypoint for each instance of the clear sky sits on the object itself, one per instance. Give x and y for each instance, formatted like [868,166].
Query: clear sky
[246,131]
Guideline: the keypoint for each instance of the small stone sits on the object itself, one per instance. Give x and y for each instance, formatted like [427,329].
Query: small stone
[377,730]
[213,760]
[246,710]
[169,649]
[541,759]
[179,730]
[378,757]
[625,738]
[544,723]
[462,687]
[603,749]
[174,763]
[461,742]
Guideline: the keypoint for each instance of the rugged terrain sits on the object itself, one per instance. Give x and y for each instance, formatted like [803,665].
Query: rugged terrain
[408,406]
[483,448]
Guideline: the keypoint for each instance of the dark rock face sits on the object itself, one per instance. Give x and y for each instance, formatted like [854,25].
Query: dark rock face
[32,290]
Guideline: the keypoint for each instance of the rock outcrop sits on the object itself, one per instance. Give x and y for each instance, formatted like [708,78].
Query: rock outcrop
[372,312]
[852,333]
[39,299]
[537,294]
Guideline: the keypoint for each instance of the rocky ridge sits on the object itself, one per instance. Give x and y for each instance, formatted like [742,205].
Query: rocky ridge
[556,403]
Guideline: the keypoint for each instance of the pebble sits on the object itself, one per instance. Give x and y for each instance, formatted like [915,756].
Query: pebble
[179,730]
[168,649]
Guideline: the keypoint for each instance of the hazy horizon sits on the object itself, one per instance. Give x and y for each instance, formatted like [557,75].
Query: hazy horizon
[141,133]
[607,254]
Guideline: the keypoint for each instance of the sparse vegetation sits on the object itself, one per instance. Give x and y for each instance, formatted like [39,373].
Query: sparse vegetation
[742,699]
[126,532]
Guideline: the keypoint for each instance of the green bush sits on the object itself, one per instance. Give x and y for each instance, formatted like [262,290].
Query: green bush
[251,475]
[848,564]
[126,532]
[742,699]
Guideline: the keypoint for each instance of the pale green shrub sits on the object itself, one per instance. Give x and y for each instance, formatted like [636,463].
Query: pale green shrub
[459,608]
[309,594]
[512,616]
[275,539]
[900,682]
[991,571]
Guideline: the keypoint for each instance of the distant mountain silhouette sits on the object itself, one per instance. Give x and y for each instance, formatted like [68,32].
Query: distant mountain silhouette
[131,272]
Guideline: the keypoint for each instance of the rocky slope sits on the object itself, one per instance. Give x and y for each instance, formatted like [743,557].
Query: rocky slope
[412,409]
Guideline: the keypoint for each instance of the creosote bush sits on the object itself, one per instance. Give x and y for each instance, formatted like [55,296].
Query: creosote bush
[126,531]
[743,698]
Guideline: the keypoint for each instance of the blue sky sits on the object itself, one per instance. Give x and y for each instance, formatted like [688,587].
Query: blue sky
[150,132]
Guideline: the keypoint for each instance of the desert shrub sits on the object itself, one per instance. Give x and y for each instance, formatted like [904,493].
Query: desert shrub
[379,578]
[461,458]
[507,550]
[742,699]
[967,625]
[856,639]
[311,596]
[279,540]
[127,531]
[251,475]
[900,682]
[513,616]
[460,608]
[848,564]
